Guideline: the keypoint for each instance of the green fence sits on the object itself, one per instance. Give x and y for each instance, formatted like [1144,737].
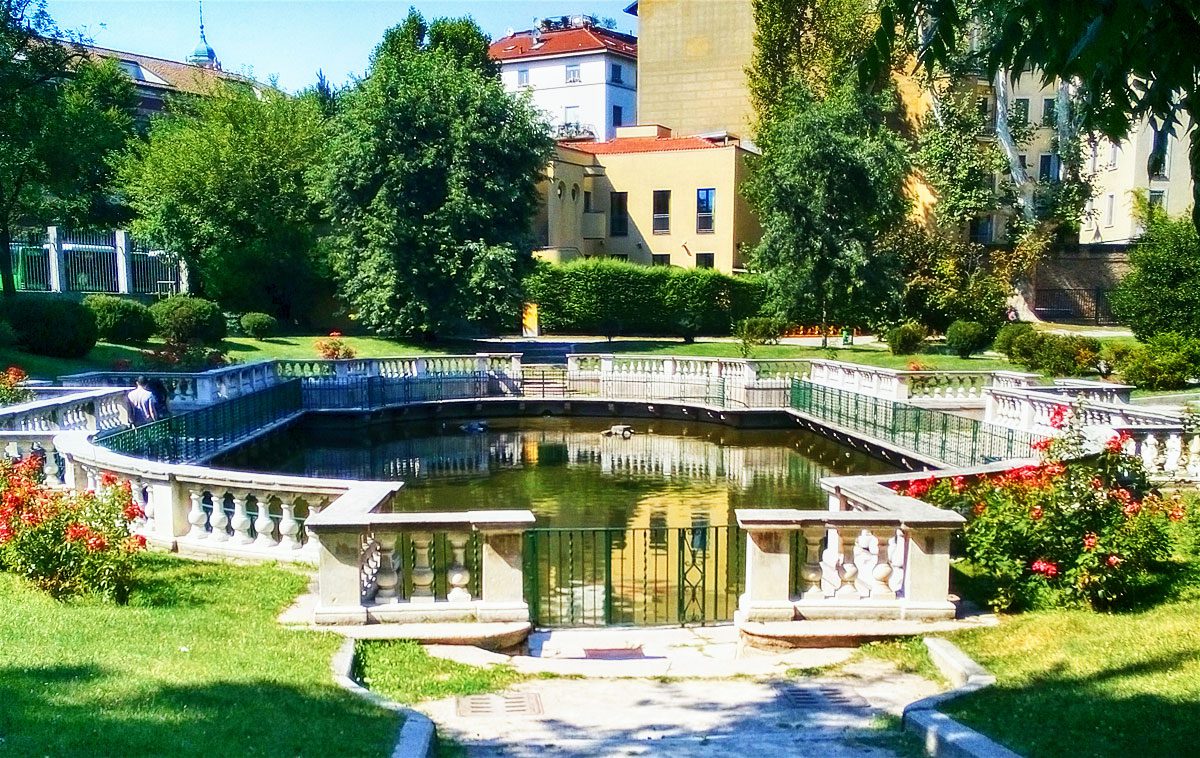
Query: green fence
[946,437]
[194,436]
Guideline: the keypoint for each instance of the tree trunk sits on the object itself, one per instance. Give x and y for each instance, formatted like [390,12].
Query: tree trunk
[1020,177]
[824,325]
[1193,111]
[6,264]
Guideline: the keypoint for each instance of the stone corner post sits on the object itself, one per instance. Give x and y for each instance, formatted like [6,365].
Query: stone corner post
[339,583]
[927,574]
[503,580]
[768,561]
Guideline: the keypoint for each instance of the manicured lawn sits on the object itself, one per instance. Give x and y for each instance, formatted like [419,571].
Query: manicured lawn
[196,664]
[102,357]
[405,673]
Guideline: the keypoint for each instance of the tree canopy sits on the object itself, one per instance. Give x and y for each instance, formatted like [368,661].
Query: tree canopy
[224,181]
[1161,293]
[431,183]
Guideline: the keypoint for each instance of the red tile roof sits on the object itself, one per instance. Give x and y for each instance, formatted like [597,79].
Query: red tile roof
[643,145]
[566,41]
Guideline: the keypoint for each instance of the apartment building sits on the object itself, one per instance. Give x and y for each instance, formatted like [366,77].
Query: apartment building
[581,75]
[648,197]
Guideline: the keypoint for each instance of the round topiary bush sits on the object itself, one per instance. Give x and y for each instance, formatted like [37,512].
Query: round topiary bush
[906,339]
[259,325]
[1008,334]
[51,326]
[119,319]
[967,337]
[182,319]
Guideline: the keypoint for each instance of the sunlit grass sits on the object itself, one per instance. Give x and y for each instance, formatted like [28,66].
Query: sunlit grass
[404,672]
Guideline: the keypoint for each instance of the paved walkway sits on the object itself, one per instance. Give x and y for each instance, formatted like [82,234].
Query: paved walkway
[678,692]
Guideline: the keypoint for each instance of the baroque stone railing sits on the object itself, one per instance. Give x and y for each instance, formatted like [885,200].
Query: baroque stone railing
[957,388]
[1035,410]
[188,391]
[72,408]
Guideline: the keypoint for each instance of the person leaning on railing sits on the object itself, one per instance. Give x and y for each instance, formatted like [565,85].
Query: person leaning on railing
[143,406]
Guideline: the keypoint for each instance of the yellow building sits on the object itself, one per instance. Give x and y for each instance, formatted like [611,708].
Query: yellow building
[650,198]
[692,59]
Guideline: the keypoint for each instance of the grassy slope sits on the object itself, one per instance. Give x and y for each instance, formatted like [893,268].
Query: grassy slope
[405,673]
[195,665]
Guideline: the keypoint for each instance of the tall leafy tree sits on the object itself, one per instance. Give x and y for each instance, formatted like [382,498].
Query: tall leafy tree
[61,116]
[827,186]
[224,181]
[431,183]
[1130,58]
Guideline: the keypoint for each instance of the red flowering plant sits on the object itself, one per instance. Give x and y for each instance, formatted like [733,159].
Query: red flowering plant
[333,347]
[12,387]
[187,356]
[1072,529]
[66,543]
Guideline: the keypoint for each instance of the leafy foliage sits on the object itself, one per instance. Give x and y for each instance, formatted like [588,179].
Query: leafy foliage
[183,319]
[120,319]
[51,326]
[1167,361]
[334,347]
[259,325]
[1008,334]
[223,180]
[967,338]
[431,183]
[12,387]
[1161,292]
[1055,354]
[906,339]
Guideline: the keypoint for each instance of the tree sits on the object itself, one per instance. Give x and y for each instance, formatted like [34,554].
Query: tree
[224,181]
[828,184]
[1161,293]
[1128,58]
[431,182]
[61,116]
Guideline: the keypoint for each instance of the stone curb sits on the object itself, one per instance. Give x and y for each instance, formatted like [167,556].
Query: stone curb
[418,735]
[943,736]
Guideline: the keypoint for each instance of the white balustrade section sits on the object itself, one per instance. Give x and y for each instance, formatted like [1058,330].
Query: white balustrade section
[83,408]
[190,390]
[41,444]
[1034,410]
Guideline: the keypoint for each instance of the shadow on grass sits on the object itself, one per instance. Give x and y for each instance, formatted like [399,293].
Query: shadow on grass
[86,711]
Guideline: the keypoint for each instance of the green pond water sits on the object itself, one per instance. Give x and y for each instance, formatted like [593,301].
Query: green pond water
[666,475]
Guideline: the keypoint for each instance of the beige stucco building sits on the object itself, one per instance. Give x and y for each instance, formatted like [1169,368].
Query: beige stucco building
[692,59]
[648,197]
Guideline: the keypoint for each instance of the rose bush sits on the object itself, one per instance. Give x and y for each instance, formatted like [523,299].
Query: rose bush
[67,543]
[1070,530]
[12,389]
[333,347]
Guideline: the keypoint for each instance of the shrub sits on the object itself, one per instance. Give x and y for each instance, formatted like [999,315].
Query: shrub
[967,337]
[1161,292]
[187,356]
[1007,334]
[334,347]
[8,335]
[906,339]
[1168,361]
[1067,531]
[1055,354]
[51,326]
[763,330]
[66,543]
[120,319]
[184,319]
[259,325]
[12,390]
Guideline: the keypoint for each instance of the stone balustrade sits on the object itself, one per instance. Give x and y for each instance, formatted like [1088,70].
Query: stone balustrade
[873,554]
[73,408]
[40,444]
[1168,452]
[927,388]
[190,390]
[415,567]
[1033,410]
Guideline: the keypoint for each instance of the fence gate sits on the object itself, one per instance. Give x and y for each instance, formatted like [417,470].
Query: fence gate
[655,575]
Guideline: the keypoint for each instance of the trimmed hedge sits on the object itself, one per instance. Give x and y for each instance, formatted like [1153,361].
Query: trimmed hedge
[612,298]
[51,326]
[120,319]
[1056,354]
[182,319]
[967,337]
[906,339]
[259,325]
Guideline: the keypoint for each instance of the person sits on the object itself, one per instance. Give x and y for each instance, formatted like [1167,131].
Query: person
[143,408]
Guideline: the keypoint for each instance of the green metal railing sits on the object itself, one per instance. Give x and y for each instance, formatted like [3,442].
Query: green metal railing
[946,437]
[194,436]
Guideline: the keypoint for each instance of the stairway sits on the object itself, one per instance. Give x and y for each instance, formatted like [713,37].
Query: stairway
[544,380]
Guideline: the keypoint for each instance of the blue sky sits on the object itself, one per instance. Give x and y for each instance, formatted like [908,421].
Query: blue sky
[291,39]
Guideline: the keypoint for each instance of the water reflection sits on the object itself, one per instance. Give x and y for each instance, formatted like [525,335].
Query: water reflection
[667,475]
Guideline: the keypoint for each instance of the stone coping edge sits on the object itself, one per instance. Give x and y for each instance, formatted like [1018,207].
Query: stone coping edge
[418,735]
[943,736]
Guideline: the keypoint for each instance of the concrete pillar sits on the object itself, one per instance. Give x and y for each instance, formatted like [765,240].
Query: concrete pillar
[768,561]
[503,580]
[171,503]
[339,586]
[56,260]
[927,574]
[124,263]
[185,285]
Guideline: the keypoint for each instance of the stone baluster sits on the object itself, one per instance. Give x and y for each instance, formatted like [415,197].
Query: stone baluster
[847,568]
[1173,453]
[387,579]
[137,491]
[240,522]
[457,575]
[217,519]
[422,572]
[264,526]
[1149,452]
[196,516]
[289,527]
[881,574]
[1193,456]
[811,573]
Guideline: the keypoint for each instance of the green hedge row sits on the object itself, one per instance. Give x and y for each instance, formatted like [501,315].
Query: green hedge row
[614,298]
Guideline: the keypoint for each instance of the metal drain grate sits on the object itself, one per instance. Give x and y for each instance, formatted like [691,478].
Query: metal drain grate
[819,697]
[511,704]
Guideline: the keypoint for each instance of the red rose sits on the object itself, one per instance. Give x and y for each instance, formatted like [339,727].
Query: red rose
[1115,560]
[107,479]
[76,532]
[96,543]
[1036,513]
[133,511]
[1089,542]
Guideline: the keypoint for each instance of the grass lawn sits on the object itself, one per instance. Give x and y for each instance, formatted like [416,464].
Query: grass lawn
[195,665]
[405,673]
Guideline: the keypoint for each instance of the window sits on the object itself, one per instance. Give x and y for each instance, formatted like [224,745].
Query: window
[571,114]
[1114,154]
[1158,198]
[706,201]
[618,74]
[1095,157]
[1158,154]
[980,230]
[660,259]
[1089,214]
[618,116]
[704,260]
[1048,111]
[1110,209]
[1023,160]
[573,73]
[1021,110]
[587,201]
[618,210]
[522,77]
[662,212]
[1048,167]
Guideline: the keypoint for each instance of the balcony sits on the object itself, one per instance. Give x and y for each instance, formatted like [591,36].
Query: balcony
[594,226]
[574,130]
